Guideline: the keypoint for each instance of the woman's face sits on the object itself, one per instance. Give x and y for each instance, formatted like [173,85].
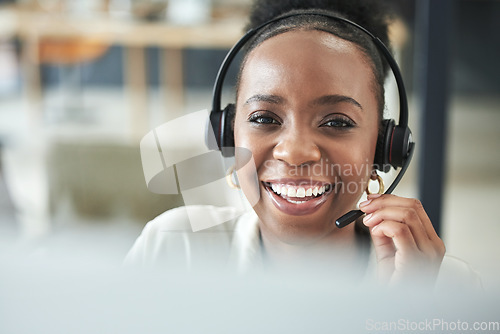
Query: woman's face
[307,111]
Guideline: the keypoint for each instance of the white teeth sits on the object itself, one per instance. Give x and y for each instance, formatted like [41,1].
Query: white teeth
[284,190]
[298,192]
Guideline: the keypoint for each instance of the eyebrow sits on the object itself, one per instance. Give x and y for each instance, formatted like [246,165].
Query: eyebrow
[335,99]
[321,101]
[274,99]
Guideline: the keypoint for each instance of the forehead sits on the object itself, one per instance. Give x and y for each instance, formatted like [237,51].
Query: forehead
[306,60]
[306,36]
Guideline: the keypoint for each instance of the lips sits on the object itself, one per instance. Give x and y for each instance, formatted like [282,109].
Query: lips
[298,198]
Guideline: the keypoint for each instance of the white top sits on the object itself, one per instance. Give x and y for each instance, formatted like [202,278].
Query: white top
[168,241]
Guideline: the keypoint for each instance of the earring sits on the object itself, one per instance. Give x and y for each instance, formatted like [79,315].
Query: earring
[380,185]
[231,178]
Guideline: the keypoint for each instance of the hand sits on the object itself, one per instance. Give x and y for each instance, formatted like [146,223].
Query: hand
[405,242]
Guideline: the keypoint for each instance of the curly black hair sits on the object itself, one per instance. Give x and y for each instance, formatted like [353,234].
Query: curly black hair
[373,15]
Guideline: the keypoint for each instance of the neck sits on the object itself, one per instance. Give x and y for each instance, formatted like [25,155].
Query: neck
[333,251]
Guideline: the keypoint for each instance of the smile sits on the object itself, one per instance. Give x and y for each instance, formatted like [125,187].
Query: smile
[298,199]
[304,193]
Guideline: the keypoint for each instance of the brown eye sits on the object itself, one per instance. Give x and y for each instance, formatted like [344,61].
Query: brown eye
[262,119]
[339,122]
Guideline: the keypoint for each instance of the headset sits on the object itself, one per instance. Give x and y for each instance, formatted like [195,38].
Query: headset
[394,144]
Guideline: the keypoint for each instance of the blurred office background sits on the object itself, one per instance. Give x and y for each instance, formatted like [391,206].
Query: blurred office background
[81,82]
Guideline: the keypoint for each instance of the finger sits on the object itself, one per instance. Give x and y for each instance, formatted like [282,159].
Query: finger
[376,202]
[386,253]
[383,245]
[400,234]
[406,216]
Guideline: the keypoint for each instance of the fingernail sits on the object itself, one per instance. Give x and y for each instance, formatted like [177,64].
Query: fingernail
[373,196]
[365,203]
[367,218]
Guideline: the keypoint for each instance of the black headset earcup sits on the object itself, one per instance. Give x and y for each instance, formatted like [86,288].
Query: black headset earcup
[212,131]
[400,146]
[221,124]
[227,134]
[381,161]
[393,145]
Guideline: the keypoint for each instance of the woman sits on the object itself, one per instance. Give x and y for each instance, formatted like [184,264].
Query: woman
[309,108]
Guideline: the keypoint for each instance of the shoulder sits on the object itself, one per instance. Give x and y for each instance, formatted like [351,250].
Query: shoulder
[191,218]
[456,274]
[177,235]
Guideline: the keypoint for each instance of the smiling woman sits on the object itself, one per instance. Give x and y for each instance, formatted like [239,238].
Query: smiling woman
[309,109]
[318,115]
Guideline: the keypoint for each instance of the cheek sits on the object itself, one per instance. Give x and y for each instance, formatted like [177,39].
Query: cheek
[248,179]
[354,161]
[245,138]
[240,137]
[356,171]
[248,158]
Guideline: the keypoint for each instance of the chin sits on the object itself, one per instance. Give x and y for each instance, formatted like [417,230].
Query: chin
[296,230]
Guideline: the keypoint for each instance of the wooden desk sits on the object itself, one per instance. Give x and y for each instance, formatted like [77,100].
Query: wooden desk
[134,36]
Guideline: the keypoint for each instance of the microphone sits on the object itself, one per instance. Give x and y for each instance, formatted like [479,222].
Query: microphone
[355,214]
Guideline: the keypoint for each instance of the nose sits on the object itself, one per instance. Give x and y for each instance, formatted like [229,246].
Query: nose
[297,147]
